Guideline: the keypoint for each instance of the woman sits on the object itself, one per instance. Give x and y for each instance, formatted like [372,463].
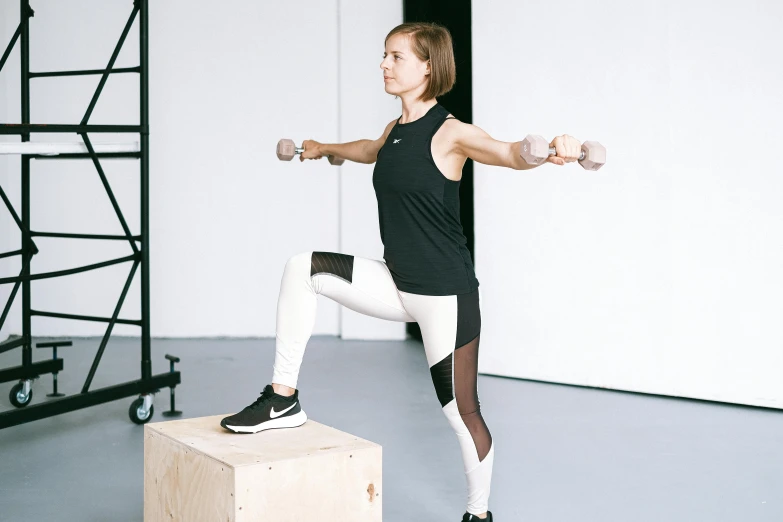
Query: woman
[428,275]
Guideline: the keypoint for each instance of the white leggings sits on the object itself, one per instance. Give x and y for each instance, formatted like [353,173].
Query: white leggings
[450,327]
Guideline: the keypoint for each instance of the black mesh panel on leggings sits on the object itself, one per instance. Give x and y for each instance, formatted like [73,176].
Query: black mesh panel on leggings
[332,263]
[466,354]
[466,393]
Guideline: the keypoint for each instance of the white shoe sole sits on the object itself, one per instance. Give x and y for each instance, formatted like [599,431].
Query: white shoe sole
[291,421]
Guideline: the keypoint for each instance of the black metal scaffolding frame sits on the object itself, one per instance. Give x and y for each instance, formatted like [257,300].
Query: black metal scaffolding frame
[148,383]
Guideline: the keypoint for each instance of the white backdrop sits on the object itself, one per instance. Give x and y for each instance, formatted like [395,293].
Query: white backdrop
[660,273]
[225,86]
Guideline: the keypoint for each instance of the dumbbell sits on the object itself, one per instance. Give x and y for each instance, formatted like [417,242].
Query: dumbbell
[535,150]
[287,149]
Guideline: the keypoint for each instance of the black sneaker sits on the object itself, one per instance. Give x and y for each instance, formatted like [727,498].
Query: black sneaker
[268,412]
[467,517]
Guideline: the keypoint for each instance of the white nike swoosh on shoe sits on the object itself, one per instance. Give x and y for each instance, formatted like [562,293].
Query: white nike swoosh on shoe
[275,414]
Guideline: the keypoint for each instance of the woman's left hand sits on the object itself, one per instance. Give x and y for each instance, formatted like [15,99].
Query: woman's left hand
[568,149]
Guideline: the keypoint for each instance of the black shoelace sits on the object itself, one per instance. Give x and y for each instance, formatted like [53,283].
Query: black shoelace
[262,399]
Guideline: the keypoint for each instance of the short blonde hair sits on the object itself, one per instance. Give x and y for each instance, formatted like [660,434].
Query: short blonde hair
[430,41]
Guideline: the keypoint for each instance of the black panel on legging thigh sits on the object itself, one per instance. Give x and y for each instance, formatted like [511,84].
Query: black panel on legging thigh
[340,265]
[441,378]
[468,318]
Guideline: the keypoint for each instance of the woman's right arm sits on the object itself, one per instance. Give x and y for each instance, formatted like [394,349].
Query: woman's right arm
[361,151]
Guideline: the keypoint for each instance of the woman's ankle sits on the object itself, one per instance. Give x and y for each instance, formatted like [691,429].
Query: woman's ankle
[283,390]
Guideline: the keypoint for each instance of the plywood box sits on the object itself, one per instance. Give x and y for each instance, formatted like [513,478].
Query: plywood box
[195,471]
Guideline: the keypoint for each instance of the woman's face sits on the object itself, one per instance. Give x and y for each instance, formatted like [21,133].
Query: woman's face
[402,70]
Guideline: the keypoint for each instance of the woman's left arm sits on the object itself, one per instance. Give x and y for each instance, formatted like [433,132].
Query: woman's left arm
[475,143]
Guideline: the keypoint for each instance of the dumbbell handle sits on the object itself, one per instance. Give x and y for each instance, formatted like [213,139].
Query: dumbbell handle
[553,151]
[299,150]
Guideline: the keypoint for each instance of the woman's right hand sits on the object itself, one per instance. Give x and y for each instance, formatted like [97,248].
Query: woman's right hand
[312,150]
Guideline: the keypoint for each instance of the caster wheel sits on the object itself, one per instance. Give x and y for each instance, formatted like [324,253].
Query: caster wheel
[17,398]
[135,412]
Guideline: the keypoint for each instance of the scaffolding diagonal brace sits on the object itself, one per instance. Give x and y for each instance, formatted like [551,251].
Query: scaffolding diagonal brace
[25,233]
[10,344]
[109,67]
[106,185]
[109,328]
[10,302]
[10,47]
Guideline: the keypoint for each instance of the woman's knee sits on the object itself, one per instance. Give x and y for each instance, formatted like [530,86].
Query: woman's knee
[299,262]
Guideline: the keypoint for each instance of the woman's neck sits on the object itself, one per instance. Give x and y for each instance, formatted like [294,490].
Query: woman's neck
[414,110]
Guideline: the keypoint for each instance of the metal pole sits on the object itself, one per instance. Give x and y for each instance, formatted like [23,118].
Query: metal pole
[27,253]
[146,362]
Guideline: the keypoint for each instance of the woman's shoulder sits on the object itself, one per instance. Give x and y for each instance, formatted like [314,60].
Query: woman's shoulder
[452,126]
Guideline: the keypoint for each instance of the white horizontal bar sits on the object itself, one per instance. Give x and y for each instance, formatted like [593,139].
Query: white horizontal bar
[53,149]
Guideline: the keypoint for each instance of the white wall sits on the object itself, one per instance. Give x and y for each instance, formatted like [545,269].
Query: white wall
[660,273]
[225,86]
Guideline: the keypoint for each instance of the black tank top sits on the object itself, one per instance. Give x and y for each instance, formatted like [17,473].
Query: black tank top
[418,213]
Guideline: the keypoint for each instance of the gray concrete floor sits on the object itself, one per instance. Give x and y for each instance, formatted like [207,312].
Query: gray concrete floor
[563,453]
